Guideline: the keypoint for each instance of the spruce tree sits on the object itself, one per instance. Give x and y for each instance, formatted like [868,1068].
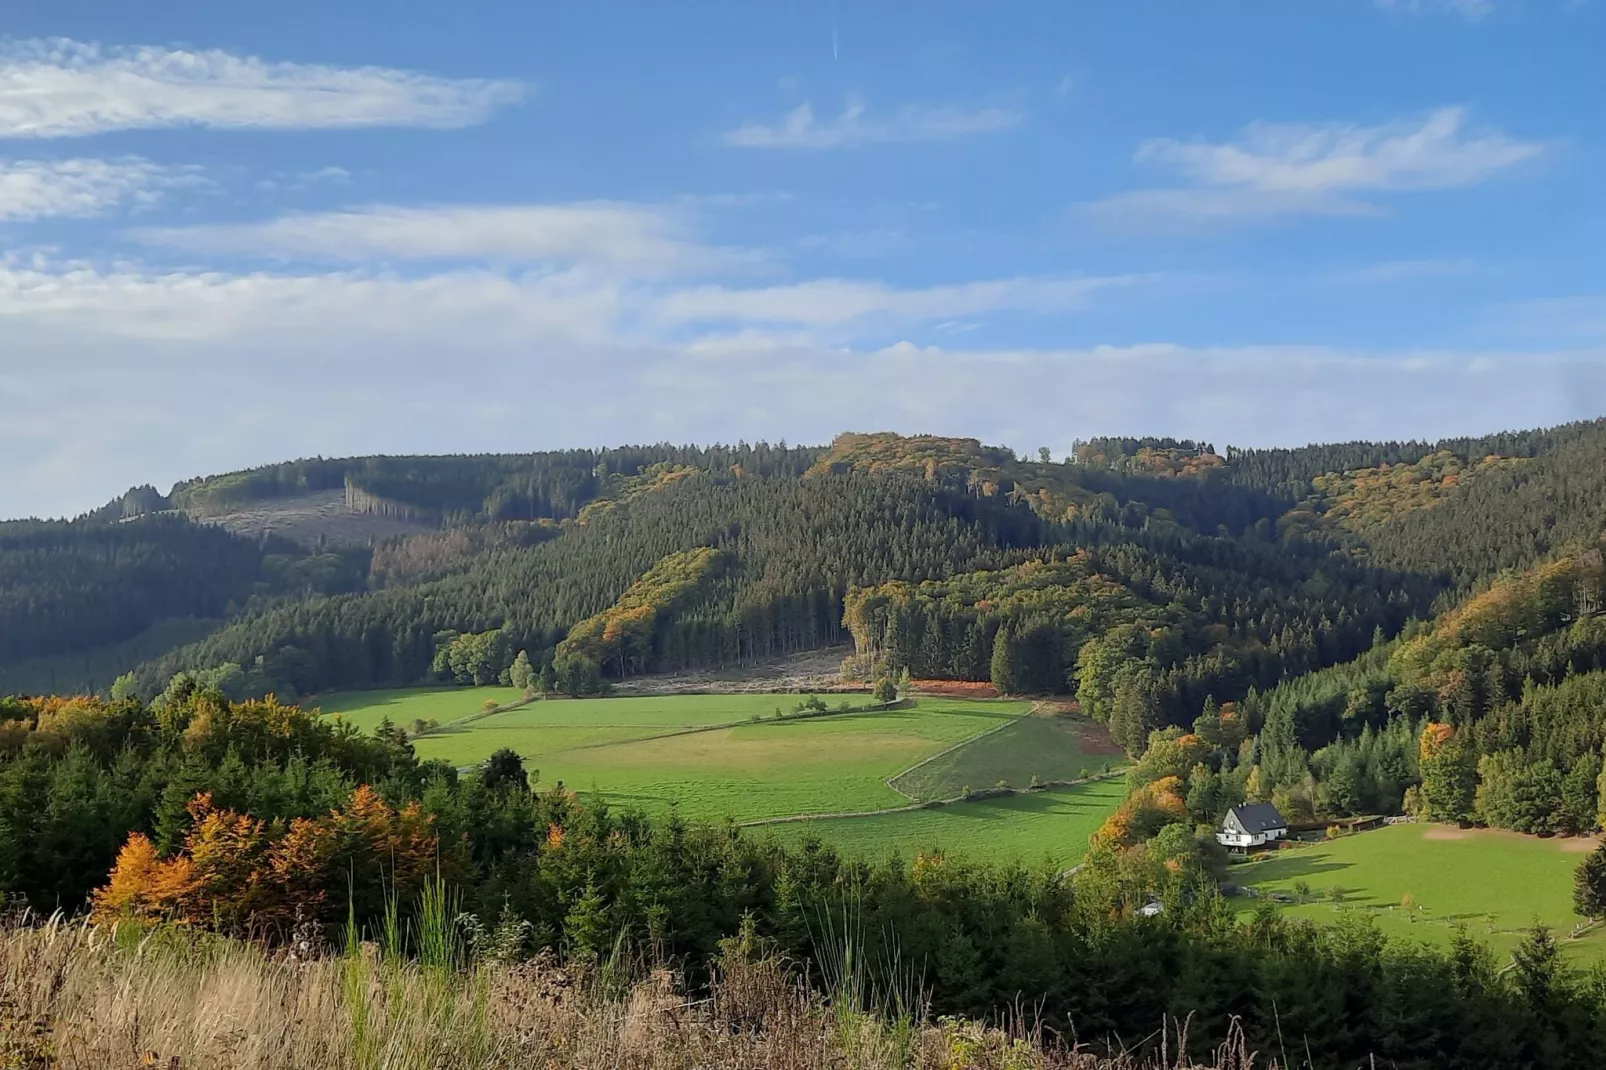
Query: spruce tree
[1003,668]
[1589,885]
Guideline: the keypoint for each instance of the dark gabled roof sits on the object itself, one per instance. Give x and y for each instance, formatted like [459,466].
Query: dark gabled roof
[1258,817]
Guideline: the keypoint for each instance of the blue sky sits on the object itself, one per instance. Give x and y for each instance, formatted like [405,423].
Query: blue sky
[233,234]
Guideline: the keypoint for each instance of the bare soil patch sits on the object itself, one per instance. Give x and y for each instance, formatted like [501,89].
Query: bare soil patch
[313,516]
[954,688]
[1567,844]
[806,672]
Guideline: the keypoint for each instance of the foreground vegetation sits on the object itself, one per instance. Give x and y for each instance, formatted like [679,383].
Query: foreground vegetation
[81,999]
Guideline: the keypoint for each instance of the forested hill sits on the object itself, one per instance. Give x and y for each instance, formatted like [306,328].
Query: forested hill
[1215,572]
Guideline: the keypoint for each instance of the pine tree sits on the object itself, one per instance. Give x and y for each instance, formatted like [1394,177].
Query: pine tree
[504,769]
[588,925]
[1589,885]
[1003,667]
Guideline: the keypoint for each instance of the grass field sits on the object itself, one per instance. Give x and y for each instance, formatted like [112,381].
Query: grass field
[639,751]
[710,757]
[1496,883]
[1048,747]
[1048,825]
[366,709]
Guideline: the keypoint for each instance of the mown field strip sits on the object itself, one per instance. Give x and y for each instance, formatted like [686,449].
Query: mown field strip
[940,754]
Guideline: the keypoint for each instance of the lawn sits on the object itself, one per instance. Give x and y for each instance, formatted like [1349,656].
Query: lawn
[1050,826]
[1048,746]
[1496,883]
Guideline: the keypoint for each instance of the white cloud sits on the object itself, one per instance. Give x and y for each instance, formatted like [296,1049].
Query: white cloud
[1472,10]
[39,189]
[801,130]
[1281,169]
[62,88]
[44,299]
[832,302]
[637,236]
[337,175]
[346,362]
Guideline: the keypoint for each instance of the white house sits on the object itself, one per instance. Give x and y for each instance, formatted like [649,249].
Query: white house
[1251,825]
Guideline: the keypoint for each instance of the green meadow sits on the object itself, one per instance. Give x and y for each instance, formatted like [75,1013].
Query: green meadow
[707,755]
[718,756]
[1496,883]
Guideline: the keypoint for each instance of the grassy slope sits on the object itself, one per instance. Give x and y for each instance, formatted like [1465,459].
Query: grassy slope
[1048,747]
[1051,825]
[1496,883]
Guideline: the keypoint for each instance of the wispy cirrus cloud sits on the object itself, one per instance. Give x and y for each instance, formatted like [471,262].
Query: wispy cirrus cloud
[1401,270]
[63,88]
[643,237]
[800,129]
[80,188]
[833,302]
[1335,169]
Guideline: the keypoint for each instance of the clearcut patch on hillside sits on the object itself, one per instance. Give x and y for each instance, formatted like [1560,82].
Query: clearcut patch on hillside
[311,517]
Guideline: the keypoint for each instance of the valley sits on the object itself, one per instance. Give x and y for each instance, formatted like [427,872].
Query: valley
[651,697]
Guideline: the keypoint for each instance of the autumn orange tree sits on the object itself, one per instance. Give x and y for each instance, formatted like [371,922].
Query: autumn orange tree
[1143,813]
[242,874]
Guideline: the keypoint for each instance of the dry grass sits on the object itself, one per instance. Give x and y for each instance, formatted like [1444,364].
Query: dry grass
[76,997]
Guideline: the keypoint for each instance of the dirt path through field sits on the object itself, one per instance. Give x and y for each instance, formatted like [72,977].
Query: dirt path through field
[1568,844]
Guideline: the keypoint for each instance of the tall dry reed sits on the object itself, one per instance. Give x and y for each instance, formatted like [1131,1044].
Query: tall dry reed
[73,996]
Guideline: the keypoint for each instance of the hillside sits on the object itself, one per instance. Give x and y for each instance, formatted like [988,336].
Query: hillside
[1221,572]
